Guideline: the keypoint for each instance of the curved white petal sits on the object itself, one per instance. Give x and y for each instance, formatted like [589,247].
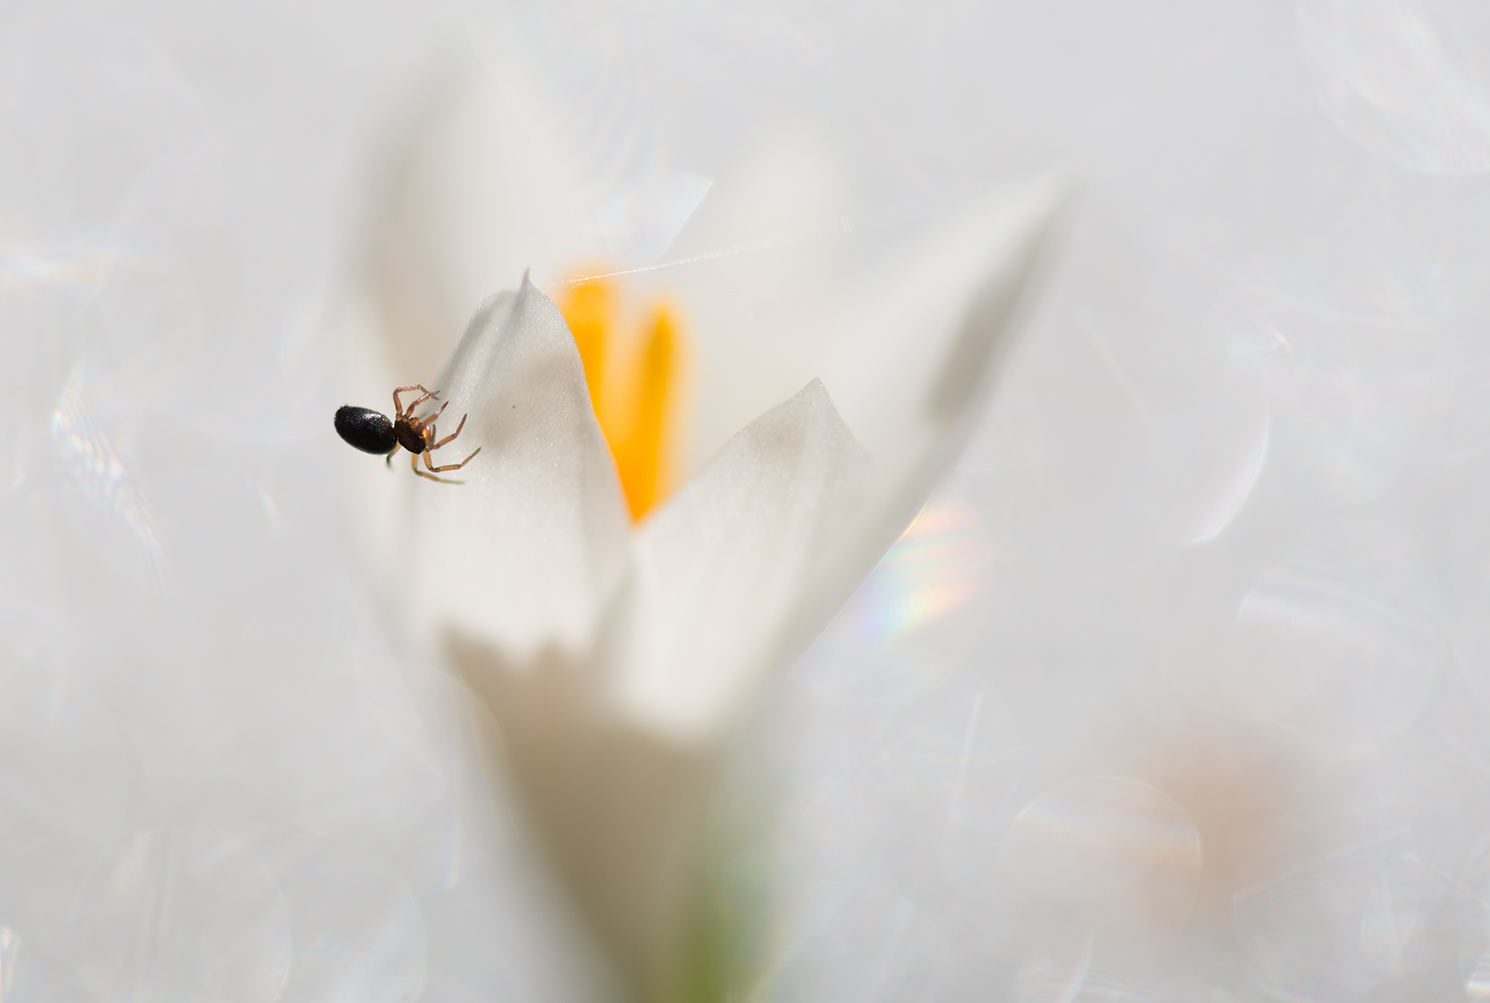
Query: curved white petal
[756,273]
[720,570]
[933,325]
[928,343]
[524,553]
[473,201]
[620,809]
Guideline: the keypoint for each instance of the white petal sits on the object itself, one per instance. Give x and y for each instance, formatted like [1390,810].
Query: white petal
[760,269]
[523,553]
[617,779]
[931,330]
[719,572]
[473,202]
[620,809]
[516,574]
[929,341]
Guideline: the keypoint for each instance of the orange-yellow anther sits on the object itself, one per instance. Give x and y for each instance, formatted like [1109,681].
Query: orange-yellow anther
[587,309]
[642,462]
[634,386]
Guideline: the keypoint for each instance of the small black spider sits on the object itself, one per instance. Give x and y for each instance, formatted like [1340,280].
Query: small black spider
[372,432]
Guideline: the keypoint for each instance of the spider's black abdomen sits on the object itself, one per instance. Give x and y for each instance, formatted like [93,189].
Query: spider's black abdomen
[365,429]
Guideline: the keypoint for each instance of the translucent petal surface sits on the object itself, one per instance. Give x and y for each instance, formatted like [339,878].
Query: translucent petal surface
[617,773]
[720,571]
[930,330]
[619,808]
[759,272]
[523,552]
[926,348]
[473,201]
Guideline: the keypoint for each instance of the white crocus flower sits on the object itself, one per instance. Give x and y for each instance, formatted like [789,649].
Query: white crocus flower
[615,657]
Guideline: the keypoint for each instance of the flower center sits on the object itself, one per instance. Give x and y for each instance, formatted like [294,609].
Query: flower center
[634,370]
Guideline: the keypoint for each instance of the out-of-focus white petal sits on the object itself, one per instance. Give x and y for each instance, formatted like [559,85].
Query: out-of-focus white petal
[930,330]
[523,553]
[758,272]
[474,201]
[722,567]
[620,809]
[471,201]
[924,350]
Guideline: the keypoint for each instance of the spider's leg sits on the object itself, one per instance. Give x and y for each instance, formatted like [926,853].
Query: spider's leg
[388,461]
[451,435]
[414,466]
[415,403]
[399,408]
[449,466]
[431,476]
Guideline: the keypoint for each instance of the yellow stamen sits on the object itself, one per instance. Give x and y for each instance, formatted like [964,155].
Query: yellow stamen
[634,388]
[588,309]
[643,463]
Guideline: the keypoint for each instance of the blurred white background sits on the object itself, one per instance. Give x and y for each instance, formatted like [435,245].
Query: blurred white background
[1176,692]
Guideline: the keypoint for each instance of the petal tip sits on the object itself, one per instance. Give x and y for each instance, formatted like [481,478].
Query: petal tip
[1023,229]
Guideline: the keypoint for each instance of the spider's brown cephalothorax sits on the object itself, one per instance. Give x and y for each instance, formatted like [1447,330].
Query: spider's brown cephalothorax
[372,432]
